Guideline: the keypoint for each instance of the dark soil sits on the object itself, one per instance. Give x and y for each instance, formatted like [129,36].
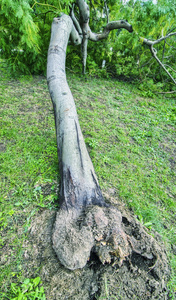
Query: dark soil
[141,274]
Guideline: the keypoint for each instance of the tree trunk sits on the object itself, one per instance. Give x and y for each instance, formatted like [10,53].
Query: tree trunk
[85,224]
[84,219]
[79,184]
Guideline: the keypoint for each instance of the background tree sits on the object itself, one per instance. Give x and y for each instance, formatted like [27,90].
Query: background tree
[25,27]
[131,57]
[25,32]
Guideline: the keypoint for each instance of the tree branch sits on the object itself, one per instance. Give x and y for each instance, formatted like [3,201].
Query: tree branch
[75,37]
[151,43]
[106,9]
[170,68]
[171,92]
[85,31]
[110,26]
[84,20]
[154,51]
[75,22]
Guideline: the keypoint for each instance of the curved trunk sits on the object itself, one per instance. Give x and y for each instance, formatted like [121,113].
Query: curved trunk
[82,226]
[79,185]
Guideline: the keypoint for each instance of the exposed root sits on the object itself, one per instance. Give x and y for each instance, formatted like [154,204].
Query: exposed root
[102,231]
[143,274]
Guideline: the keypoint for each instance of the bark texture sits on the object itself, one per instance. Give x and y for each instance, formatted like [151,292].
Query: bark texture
[79,184]
[85,224]
[82,222]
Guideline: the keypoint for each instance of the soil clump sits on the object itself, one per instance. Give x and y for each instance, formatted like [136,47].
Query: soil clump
[138,270]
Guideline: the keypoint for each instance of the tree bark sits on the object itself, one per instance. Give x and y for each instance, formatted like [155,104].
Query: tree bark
[95,37]
[84,218]
[84,224]
[79,184]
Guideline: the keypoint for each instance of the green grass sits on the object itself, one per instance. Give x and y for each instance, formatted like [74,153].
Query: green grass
[132,143]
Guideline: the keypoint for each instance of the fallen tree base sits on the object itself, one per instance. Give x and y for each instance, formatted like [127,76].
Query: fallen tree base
[97,230]
[140,271]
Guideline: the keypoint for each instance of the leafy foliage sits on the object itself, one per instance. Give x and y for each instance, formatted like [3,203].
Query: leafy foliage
[125,53]
[25,33]
[29,290]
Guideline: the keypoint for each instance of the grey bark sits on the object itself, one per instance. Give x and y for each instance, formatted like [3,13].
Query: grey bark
[84,223]
[83,216]
[84,21]
[86,33]
[95,37]
[79,184]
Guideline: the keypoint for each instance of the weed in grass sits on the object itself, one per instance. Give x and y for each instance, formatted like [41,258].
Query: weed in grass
[29,289]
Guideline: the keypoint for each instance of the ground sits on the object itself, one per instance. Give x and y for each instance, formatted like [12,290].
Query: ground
[131,141]
[141,276]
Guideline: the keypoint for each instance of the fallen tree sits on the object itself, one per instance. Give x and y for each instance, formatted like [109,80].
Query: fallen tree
[79,184]
[85,223]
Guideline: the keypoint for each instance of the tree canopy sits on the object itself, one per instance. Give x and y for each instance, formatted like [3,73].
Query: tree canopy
[25,33]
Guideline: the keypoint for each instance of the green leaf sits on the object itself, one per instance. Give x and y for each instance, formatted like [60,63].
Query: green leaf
[36,281]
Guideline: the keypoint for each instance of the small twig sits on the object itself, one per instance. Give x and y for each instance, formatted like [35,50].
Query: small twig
[170,68]
[98,3]
[170,45]
[171,30]
[154,52]
[106,8]
[43,4]
[171,92]
[152,43]
[164,47]
[147,62]
[44,13]
[169,56]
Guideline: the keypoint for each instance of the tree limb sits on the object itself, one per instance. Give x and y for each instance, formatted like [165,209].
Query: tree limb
[75,22]
[75,36]
[170,68]
[154,51]
[84,21]
[152,43]
[106,8]
[110,26]
[84,29]
[171,92]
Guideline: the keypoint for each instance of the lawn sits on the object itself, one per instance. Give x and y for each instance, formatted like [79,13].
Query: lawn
[131,139]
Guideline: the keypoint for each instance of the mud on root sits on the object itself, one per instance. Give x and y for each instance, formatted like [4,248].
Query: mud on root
[143,273]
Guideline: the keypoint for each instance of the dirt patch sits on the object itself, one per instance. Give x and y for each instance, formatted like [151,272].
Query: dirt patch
[142,274]
[2,147]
